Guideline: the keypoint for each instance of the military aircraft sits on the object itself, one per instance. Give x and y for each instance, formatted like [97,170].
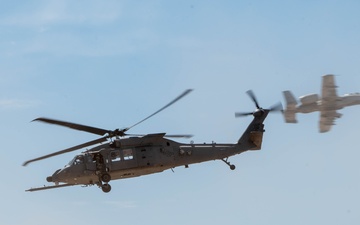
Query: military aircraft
[327,104]
[136,155]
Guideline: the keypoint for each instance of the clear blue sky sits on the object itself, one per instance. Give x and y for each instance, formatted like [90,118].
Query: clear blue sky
[112,63]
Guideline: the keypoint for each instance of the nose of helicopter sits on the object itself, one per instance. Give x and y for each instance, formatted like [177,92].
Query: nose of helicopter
[53,178]
[49,179]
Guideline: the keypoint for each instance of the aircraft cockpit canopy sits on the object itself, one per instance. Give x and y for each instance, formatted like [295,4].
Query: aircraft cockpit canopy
[77,160]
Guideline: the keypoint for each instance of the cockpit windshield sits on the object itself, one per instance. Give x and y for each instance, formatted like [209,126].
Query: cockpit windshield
[77,160]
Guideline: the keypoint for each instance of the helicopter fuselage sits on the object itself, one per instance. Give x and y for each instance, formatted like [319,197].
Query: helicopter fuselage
[137,156]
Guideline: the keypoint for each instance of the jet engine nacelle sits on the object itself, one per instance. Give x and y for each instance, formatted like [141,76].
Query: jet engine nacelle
[309,99]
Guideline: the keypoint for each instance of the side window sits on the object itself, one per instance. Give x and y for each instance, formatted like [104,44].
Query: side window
[89,158]
[115,156]
[128,154]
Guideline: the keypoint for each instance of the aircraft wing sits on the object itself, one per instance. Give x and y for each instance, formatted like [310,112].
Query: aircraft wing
[329,88]
[328,103]
[327,119]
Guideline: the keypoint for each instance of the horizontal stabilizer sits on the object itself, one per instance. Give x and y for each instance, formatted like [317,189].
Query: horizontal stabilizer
[290,110]
[289,98]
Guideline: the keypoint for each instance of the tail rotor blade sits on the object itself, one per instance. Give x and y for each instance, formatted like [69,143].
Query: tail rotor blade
[238,114]
[252,96]
[260,111]
[277,107]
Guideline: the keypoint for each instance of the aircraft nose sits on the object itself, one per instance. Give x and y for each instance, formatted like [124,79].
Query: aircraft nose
[53,177]
[49,179]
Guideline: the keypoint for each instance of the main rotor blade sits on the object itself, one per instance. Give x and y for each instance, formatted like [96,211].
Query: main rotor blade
[252,96]
[179,136]
[67,150]
[169,104]
[75,126]
[167,135]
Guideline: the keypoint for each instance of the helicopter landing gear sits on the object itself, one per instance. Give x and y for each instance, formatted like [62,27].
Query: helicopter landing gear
[102,173]
[105,177]
[232,166]
[106,188]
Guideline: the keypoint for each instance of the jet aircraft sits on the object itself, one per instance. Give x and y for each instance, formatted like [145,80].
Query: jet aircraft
[327,104]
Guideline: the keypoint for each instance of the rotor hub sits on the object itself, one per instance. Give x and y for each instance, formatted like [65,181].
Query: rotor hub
[117,133]
[258,112]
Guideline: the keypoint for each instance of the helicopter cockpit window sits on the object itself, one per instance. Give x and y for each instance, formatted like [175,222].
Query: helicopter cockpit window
[128,154]
[76,161]
[79,160]
[115,156]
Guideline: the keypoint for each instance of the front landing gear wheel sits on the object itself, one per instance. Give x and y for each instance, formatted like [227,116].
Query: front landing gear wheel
[106,188]
[105,177]
[232,167]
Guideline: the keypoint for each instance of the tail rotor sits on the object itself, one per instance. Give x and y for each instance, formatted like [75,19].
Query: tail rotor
[259,111]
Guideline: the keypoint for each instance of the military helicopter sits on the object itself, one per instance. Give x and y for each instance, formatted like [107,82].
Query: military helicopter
[130,155]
